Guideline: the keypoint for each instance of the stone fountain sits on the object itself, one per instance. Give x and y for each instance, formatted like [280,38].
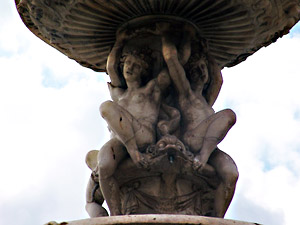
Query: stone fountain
[164,59]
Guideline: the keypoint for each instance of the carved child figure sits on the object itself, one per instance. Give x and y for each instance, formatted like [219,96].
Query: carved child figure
[203,129]
[137,106]
[94,197]
[132,117]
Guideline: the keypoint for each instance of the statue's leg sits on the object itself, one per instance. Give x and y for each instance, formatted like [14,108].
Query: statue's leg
[131,132]
[118,119]
[95,210]
[94,200]
[109,158]
[208,134]
[228,173]
[221,123]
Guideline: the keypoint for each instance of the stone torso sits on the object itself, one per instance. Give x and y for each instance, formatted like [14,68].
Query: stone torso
[141,104]
[194,109]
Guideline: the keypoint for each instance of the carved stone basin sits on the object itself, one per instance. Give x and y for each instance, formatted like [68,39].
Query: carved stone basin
[84,30]
[168,186]
[177,190]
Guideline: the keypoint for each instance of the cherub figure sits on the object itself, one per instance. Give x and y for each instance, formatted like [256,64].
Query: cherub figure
[132,116]
[203,129]
[94,197]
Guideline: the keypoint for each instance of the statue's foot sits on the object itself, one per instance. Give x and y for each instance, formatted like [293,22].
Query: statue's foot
[140,160]
[200,162]
[95,210]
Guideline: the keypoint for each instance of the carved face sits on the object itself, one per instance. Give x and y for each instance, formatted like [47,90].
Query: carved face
[203,67]
[133,68]
[199,72]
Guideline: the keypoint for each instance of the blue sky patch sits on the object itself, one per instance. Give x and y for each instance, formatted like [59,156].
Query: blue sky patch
[297,115]
[267,165]
[50,81]
[102,76]
[6,54]
[295,30]
[265,157]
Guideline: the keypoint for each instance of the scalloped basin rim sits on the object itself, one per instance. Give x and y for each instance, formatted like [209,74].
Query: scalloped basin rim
[233,29]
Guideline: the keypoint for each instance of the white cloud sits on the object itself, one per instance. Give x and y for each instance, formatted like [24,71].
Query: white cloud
[45,131]
[265,144]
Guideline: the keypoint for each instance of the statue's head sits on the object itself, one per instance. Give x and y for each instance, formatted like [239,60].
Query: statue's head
[203,72]
[198,69]
[136,65]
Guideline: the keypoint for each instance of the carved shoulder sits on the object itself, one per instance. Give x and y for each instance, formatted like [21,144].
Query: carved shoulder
[150,86]
[115,92]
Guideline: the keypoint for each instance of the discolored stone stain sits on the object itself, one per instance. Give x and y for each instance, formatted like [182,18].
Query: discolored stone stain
[104,114]
[121,122]
[113,151]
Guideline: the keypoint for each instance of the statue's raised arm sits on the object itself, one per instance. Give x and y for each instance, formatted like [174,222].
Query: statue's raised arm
[171,57]
[202,128]
[113,60]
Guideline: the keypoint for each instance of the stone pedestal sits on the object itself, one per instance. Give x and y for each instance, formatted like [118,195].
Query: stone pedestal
[163,219]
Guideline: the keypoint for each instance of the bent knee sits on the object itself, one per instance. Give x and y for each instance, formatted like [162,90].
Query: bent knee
[230,175]
[230,116]
[105,108]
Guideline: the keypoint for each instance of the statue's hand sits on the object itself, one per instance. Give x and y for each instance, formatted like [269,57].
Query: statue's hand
[199,163]
[140,160]
[162,27]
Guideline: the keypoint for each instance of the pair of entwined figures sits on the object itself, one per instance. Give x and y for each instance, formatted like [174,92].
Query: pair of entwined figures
[136,115]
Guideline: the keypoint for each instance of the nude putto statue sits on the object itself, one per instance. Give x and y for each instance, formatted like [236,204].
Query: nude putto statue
[165,113]
[202,129]
[132,117]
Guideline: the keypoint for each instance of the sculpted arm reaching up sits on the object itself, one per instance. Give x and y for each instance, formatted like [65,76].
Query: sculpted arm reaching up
[113,59]
[176,70]
[116,86]
[203,128]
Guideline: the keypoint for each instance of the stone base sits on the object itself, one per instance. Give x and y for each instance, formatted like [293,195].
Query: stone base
[167,186]
[163,219]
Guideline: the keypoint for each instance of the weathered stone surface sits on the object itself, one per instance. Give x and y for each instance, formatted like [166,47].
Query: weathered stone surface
[84,30]
[162,117]
[164,59]
[166,187]
[154,220]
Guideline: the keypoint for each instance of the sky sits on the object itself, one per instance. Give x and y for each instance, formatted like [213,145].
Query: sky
[49,120]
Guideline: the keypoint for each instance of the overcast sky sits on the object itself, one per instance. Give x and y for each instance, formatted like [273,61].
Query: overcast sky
[49,120]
